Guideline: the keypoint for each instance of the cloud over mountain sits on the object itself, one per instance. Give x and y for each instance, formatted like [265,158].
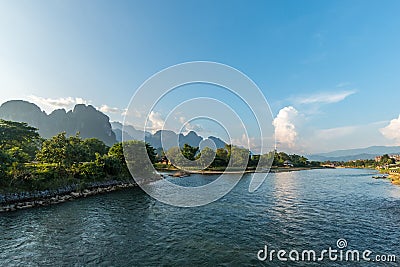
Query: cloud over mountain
[392,131]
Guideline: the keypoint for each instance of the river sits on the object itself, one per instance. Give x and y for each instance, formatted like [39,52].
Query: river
[301,210]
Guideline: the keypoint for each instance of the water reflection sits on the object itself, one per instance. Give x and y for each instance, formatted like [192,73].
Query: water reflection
[285,193]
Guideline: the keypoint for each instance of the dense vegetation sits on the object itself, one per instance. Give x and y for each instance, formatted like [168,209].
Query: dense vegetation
[385,162]
[29,162]
[230,155]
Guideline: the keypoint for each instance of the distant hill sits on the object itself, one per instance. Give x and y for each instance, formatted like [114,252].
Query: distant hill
[130,132]
[218,142]
[170,138]
[84,119]
[354,154]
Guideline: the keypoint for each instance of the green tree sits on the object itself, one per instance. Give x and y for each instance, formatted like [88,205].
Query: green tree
[116,154]
[76,150]
[117,151]
[174,156]
[93,146]
[5,163]
[137,159]
[21,137]
[63,151]
[263,161]
[54,150]
[206,157]
[239,156]
[112,165]
[189,152]
[221,157]
[298,161]
[18,154]
[280,158]
[151,153]
[386,159]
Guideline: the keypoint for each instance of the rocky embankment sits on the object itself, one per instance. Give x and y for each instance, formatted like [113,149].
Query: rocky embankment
[23,200]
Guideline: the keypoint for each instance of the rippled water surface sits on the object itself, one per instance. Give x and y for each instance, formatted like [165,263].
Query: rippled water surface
[296,210]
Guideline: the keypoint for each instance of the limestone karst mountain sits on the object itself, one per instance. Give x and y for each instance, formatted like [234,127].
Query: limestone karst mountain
[86,120]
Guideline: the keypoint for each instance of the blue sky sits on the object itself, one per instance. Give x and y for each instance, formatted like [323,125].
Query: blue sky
[329,69]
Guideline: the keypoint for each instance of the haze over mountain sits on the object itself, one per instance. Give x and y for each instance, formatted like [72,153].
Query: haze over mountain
[130,132]
[170,138]
[86,120]
[354,154]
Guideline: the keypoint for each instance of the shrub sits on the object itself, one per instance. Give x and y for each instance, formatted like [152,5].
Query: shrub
[90,170]
[112,165]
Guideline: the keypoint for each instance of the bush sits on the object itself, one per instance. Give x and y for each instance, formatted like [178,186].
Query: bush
[90,170]
[5,162]
[45,171]
[112,165]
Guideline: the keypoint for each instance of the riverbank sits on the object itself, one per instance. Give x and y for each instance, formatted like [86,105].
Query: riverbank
[272,170]
[24,200]
[395,177]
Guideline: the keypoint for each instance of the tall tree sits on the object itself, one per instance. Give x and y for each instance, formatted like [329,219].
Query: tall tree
[151,153]
[93,146]
[239,156]
[189,152]
[207,156]
[63,150]
[19,137]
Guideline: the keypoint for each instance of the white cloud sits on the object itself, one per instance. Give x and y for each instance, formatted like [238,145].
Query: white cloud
[193,127]
[107,109]
[392,131]
[286,133]
[246,142]
[325,97]
[68,103]
[49,104]
[132,113]
[182,119]
[187,126]
[156,121]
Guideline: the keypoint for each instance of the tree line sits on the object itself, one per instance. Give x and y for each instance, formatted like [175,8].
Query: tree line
[29,162]
[384,161]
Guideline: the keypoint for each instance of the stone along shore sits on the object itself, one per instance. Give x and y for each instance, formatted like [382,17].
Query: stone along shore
[23,200]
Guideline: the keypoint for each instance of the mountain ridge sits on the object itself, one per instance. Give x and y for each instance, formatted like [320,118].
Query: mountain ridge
[356,153]
[85,119]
